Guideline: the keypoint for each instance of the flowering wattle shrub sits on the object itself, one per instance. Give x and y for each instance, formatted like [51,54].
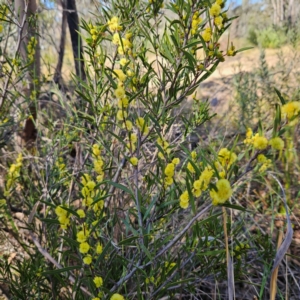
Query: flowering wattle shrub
[137,213]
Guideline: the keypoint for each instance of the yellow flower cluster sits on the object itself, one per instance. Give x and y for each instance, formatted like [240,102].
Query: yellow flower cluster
[134,161]
[258,142]
[31,48]
[164,145]
[170,171]
[184,200]
[141,125]
[206,35]
[131,145]
[82,236]
[13,174]
[266,163]
[249,134]
[88,192]
[290,109]
[63,217]
[169,265]
[231,50]
[218,21]
[150,279]
[113,24]
[276,143]
[223,192]
[124,44]
[94,32]
[117,297]
[98,162]
[62,170]
[195,23]
[201,184]
[84,247]
[189,165]
[215,10]
[98,281]
[225,159]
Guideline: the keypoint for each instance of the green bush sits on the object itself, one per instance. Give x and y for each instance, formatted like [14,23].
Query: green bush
[267,38]
[271,38]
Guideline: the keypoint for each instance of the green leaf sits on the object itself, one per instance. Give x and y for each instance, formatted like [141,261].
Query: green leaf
[62,270]
[211,253]
[120,186]
[128,241]
[260,128]
[233,206]
[50,221]
[208,72]
[146,251]
[280,96]
[190,58]
[243,49]
[147,213]
[192,44]
[109,77]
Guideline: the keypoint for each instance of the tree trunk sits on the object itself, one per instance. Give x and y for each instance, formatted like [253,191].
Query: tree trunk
[73,22]
[57,78]
[26,10]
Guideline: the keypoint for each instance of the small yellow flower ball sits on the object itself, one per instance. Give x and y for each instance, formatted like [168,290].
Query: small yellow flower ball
[223,194]
[134,161]
[60,211]
[99,248]
[168,181]
[197,192]
[290,109]
[120,92]
[176,161]
[121,115]
[161,155]
[276,143]
[169,170]
[128,35]
[218,21]
[190,167]
[91,185]
[84,247]
[81,236]
[133,137]
[117,297]
[260,142]
[87,259]
[81,213]
[98,281]
[184,200]
[130,73]
[128,125]
[215,10]
[96,150]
